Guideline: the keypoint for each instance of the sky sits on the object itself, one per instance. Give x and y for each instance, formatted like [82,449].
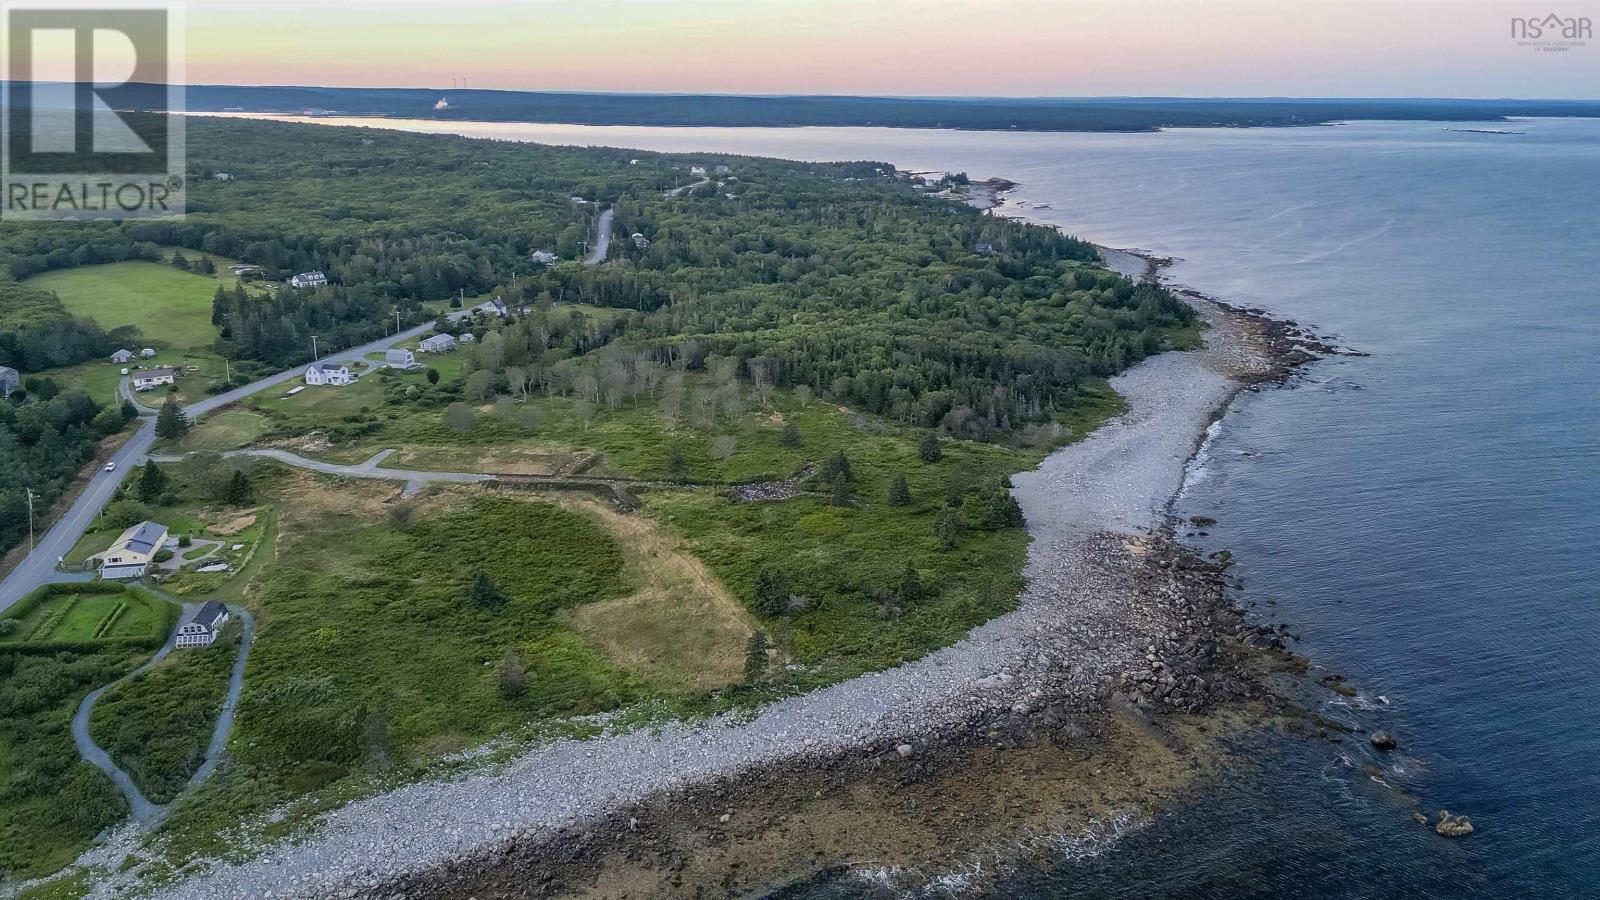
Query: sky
[1310,48]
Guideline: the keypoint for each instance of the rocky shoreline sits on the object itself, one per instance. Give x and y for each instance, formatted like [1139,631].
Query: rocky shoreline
[1124,656]
[1065,756]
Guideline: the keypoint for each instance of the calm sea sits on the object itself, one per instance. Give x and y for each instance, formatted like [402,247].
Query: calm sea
[1425,517]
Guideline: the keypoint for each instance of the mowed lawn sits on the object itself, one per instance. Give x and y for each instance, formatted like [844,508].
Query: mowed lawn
[170,307]
[83,617]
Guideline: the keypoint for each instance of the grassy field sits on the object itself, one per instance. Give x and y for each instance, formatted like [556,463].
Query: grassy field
[681,628]
[158,725]
[225,430]
[89,617]
[172,308]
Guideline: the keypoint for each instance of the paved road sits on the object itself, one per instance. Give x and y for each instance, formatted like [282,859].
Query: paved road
[230,703]
[145,812]
[602,240]
[39,566]
[688,187]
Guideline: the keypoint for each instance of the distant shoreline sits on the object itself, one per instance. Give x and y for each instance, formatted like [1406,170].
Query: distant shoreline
[1069,114]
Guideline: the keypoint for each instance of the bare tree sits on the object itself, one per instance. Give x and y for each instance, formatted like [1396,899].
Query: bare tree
[761,380]
[672,399]
[722,448]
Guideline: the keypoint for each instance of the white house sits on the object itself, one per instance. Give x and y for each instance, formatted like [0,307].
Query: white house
[467,337]
[337,374]
[439,343]
[122,356]
[495,307]
[203,627]
[640,241]
[399,358]
[148,353]
[309,280]
[145,379]
[131,553]
[223,176]
[10,381]
[697,170]
[723,170]
[544,258]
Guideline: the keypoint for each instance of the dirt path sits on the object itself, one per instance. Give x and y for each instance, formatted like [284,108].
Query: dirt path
[682,625]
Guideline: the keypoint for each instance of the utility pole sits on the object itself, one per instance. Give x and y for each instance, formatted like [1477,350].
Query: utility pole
[397,320]
[30,521]
[314,356]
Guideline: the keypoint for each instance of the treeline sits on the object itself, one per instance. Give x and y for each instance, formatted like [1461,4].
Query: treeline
[277,329]
[43,444]
[38,334]
[844,280]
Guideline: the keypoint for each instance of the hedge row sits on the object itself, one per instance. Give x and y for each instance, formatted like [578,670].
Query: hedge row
[169,621]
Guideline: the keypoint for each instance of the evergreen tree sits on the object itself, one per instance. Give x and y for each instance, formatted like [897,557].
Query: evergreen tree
[899,492]
[772,593]
[485,595]
[755,657]
[180,262]
[1000,510]
[513,675]
[836,473]
[911,588]
[129,411]
[205,266]
[929,448]
[677,466]
[171,423]
[239,492]
[791,435]
[948,530]
[433,375]
[152,482]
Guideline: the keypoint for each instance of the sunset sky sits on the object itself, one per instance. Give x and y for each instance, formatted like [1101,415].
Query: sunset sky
[1457,48]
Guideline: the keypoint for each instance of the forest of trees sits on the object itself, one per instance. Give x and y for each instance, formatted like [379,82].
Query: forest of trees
[843,280]
[43,444]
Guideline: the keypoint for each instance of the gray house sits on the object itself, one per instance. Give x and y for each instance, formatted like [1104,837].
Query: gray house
[201,630]
[133,551]
[399,358]
[122,356]
[439,343]
[10,381]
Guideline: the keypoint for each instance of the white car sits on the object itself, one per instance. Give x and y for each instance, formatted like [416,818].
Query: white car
[111,467]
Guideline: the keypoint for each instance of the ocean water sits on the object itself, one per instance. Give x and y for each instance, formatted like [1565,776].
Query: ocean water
[1425,517]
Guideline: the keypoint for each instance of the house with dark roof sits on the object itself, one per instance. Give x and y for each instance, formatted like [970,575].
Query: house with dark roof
[495,307]
[132,552]
[202,628]
[309,280]
[336,374]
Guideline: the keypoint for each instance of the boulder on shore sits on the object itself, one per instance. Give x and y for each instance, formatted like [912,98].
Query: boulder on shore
[1382,740]
[1451,825]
